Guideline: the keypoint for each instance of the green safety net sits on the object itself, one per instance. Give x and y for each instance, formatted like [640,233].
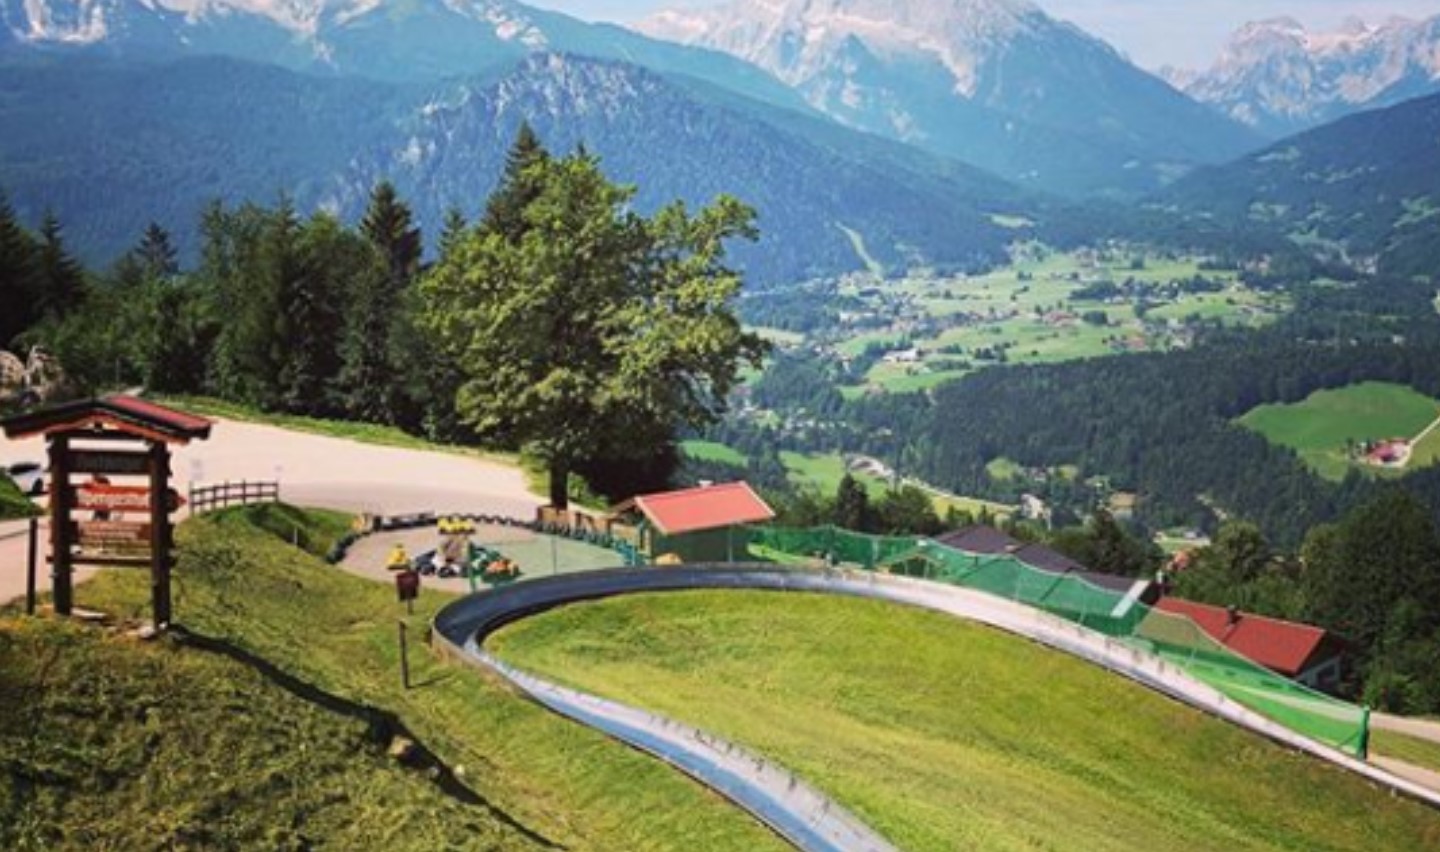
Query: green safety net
[1174,638]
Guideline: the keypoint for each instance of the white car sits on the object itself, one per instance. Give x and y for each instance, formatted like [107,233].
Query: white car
[29,477]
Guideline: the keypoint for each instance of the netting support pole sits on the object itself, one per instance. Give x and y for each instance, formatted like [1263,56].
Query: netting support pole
[1363,749]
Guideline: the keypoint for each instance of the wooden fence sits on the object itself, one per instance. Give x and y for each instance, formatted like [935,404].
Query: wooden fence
[208,498]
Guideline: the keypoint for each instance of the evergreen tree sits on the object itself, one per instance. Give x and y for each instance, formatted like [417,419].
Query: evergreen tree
[313,293]
[388,226]
[368,378]
[61,281]
[1103,545]
[907,510]
[852,505]
[453,232]
[155,254]
[520,185]
[18,285]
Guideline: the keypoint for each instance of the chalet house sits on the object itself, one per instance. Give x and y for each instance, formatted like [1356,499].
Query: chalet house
[695,525]
[1307,654]
[903,356]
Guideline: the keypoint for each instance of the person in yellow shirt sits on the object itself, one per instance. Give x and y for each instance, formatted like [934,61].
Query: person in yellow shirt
[399,559]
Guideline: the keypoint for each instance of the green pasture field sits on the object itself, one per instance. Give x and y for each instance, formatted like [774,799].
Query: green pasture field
[1051,278]
[713,452]
[824,472]
[1318,427]
[945,735]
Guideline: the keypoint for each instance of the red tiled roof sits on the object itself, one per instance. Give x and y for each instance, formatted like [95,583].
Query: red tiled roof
[707,508]
[1282,646]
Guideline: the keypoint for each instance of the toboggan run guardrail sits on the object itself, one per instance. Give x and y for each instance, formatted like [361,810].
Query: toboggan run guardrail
[1120,615]
[462,627]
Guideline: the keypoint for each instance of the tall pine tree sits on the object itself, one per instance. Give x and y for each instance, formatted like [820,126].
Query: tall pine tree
[61,281]
[312,314]
[373,354]
[389,227]
[453,231]
[519,186]
[18,285]
[155,254]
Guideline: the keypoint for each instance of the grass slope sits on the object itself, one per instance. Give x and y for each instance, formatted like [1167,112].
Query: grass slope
[336,633]
[1318,427]
[13,504]
[944,735]
[1422,753]
[108,743]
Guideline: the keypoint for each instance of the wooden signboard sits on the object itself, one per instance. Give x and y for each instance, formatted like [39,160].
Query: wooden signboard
[106,537]
[109,463]
[103,534]
[95,497]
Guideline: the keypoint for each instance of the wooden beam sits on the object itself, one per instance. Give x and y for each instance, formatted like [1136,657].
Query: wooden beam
[61,531]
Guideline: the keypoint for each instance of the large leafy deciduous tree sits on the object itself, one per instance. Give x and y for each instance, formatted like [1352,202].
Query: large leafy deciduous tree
[590,332]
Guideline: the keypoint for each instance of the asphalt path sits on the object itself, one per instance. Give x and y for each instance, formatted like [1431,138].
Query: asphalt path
[313,470]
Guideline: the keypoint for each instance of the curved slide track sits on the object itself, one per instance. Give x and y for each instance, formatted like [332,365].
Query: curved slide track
[799,813]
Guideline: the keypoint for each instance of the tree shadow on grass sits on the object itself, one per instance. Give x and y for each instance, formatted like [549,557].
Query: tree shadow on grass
[383,726]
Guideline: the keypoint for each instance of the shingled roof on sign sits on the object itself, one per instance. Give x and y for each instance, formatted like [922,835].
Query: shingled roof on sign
[124,413]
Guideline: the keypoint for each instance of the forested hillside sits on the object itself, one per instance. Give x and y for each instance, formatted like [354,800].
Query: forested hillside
[110,146]
[1368,185]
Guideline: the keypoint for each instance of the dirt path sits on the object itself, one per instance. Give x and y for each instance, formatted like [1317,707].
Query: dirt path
[314,470]
[1415,442]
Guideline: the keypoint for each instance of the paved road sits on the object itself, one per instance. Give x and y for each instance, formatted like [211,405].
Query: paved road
[313,470]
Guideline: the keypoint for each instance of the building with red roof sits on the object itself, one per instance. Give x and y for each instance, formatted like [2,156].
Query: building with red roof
[696,524]
[1310,655]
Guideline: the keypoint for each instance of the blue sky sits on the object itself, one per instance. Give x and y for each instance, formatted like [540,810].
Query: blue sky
[1187,33]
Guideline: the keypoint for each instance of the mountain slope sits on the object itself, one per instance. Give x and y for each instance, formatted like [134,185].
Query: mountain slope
[394,40]
[1369,183]
[993,82]
[1280,78]
[110,146]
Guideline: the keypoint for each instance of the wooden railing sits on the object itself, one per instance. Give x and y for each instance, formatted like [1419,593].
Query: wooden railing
[208,498]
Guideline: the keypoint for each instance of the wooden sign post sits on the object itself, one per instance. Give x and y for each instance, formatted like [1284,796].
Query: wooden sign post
[111,536]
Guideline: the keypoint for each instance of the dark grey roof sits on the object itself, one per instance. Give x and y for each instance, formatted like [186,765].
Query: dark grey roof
[1040,557]
[1113,582]
[981,539]
[990,541]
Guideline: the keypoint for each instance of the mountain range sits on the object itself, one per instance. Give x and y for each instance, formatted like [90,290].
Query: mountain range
[387,40]
[1367,186]
[1280,78]
[916,132]
[996,83]
[143,141]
